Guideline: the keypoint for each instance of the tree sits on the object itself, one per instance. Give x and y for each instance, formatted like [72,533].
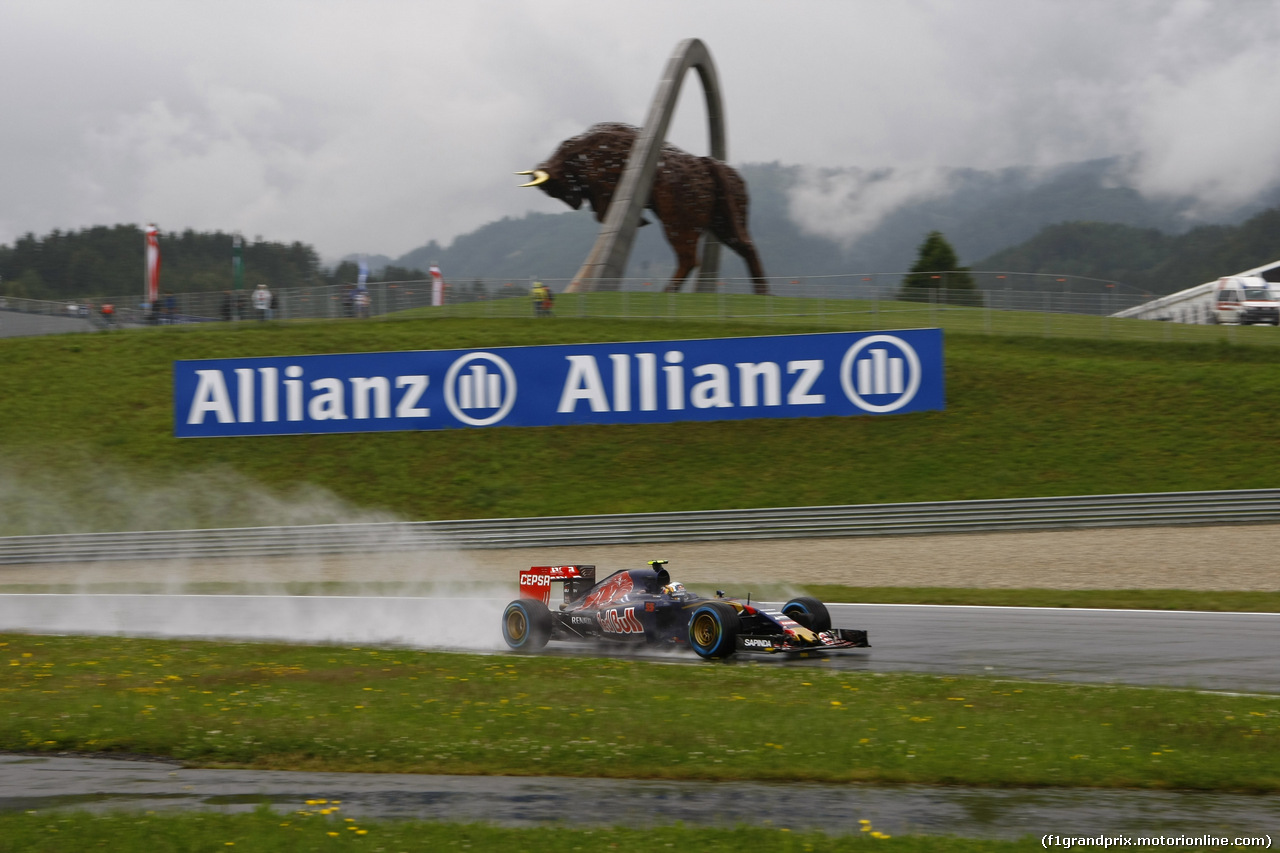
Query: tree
[938,276]
[346,272]
[29,285]
[394,273]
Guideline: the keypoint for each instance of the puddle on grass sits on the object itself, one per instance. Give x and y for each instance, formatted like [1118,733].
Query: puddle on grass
[106,784]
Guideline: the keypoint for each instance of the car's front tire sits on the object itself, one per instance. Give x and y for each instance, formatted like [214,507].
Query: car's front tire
[713,630]
[809,612]
[526,624]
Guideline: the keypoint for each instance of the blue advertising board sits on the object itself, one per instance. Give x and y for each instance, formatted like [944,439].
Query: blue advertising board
[775,376]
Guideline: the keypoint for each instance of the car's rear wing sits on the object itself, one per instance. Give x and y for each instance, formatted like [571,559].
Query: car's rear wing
[537,581]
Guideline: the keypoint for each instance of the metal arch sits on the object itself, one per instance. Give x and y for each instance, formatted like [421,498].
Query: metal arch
[605,266]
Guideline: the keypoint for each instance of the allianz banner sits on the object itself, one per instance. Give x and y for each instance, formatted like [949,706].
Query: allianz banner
[777,376]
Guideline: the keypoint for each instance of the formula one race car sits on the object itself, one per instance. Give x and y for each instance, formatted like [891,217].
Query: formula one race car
[637,606]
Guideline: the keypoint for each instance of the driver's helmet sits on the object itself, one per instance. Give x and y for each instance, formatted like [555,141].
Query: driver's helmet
[675,590]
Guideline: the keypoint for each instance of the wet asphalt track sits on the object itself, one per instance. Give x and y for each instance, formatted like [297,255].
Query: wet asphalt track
[40,782]
[1219,651]
[1216,651]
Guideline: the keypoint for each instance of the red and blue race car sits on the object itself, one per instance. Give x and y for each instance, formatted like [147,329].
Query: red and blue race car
[644,606]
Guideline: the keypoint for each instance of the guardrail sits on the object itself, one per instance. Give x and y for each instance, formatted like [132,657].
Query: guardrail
[1257,506]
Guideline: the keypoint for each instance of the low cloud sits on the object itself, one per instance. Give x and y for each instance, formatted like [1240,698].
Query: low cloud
[845,205]
[1215,135]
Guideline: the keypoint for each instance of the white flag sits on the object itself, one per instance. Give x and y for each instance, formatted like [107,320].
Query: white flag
[152,281]
[437,286]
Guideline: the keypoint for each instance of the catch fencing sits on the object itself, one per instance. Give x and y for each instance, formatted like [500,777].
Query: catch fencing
[510,297]
[999,304]
[1255,506]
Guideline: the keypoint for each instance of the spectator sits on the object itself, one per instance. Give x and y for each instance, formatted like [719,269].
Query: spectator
[262,302]
[541,300]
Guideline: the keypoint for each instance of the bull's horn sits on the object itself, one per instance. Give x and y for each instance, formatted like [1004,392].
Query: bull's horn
[539,177]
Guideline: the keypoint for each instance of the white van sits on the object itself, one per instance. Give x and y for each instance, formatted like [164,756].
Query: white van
[1245,300]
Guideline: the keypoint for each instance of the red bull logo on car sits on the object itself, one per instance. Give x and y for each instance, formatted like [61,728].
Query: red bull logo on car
[619,622]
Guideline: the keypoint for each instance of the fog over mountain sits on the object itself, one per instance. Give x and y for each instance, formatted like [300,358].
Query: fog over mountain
[808,221]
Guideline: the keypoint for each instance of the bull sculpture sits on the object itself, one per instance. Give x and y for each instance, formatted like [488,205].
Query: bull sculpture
[690,194]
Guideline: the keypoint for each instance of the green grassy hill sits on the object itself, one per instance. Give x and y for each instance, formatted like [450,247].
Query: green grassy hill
[86,434]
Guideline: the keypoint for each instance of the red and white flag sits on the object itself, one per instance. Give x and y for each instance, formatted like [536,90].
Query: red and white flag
[437,286]
[152,282]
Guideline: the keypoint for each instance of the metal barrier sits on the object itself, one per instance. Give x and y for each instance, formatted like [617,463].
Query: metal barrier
[1258,506]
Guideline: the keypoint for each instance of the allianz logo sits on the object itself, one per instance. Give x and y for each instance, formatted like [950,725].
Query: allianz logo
[478,382]
[879,373]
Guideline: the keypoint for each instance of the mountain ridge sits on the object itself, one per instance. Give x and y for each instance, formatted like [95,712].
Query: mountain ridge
[810,222]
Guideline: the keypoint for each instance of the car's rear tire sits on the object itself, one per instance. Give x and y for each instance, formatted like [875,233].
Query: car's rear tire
[809,612]
[526,624]
[713,630]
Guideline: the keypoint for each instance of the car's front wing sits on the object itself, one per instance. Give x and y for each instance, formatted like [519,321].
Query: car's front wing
[837,639]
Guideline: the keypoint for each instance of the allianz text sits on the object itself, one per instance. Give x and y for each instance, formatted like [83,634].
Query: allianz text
[370,396]
[709,385]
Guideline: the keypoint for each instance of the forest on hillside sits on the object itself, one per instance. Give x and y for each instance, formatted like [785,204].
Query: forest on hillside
[1144,257]
[108,261]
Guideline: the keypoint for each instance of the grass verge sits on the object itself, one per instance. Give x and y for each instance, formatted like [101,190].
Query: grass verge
[399,710]
[88,438]
[787,307]
[265,831]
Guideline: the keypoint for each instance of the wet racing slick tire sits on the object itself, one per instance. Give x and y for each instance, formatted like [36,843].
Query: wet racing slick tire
[526,625]
[809,612]
[713,630]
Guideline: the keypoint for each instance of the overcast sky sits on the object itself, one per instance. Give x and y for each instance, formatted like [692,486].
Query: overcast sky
[375,126]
